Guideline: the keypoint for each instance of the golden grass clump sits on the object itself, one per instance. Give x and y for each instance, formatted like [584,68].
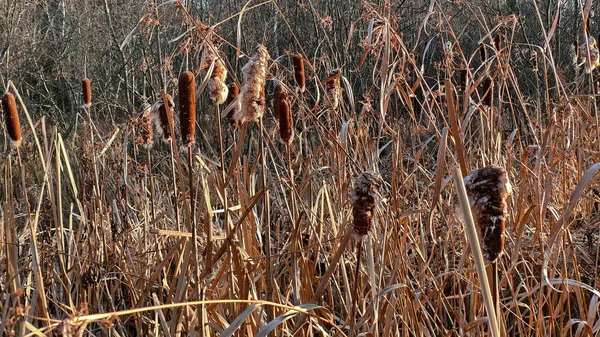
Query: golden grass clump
[252,96]
[143,124]
[161,117]
[333,91]
[234,91]
[487,189]
[283,113]
[13,126]
[588,51]
[187,107]
[87,92]
[365,200]
[299,72]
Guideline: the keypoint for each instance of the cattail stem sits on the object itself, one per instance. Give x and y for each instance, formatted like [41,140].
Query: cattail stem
[266,218]
[352,315]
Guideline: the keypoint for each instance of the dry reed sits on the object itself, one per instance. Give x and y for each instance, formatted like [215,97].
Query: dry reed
[87,92]
[234,91]
[299,72]
[487,189]
[365,198]
[252,96]
[13,126]
[187,107]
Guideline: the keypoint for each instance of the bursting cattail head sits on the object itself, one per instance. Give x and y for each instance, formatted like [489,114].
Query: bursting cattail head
[365,199]
[216,84]
[283,113]
[588,51]
[143,125]
[13,126]
[87,92]
[234,91]
[161,116]
[487,189]
[333,91]
[252,96]
[187,107]
[487,90]
[299,72]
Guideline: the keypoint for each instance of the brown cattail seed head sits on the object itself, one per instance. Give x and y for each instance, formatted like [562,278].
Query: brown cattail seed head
[487,189]
[333,91]
[463,79]
[143,124]
[497,41]
[487,90]
[482,52]
[13,126]
[87,92]
[187,107]
[299,72]
[283,113]
[234,91]
[365,200]
[252,96]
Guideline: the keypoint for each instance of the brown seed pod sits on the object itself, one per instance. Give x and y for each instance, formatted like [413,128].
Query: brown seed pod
[497,42]
[365,200]
[463,79]
[143,124]
[487,89]
[283,113]
[333,91]
[187,107]
[299,72]
[482,52]
[234,91]
[13,126]
[252,96]
[87,92]
[487,189]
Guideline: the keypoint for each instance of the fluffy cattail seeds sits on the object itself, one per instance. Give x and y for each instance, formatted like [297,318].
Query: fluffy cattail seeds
[283,112]
[187,107]
[487,189]
[13,126]
[365,198]
[234,91]
[589,52]
[252,96]
[87,92]
[143,123]
[299,72]
[333,91]
[161,116]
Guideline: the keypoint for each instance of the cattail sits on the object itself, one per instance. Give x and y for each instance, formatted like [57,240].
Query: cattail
[588,51]
[365,198]
[234,91]
[333,91]
[187,107]
[13,126]
[463,79]
[143,123]
[299,72]
[283,113]
[252,96]
[487,189]
[487,87]
[161,117]
[482,52]
[87,92]
[497,41]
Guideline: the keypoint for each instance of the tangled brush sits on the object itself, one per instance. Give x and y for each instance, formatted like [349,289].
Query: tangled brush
[487,189]
[365,199]
[252,96]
